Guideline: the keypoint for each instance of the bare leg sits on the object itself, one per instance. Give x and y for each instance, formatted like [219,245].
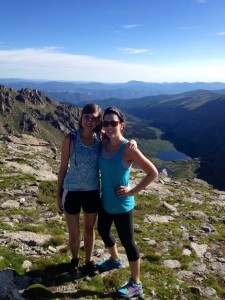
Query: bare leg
[74,233]
[135,270]
[114,252]
[89,234]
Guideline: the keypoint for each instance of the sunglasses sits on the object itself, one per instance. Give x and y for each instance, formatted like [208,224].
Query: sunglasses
[111,123]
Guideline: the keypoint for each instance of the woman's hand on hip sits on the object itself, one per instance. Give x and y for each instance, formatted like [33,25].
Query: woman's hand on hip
[123,191]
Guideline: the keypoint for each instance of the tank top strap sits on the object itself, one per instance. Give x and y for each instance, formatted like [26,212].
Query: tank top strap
[122,147]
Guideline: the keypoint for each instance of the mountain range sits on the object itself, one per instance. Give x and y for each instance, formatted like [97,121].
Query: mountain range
[194,121]
[75,92]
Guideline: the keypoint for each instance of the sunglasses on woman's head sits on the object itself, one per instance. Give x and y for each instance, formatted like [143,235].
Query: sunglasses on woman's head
[111,123]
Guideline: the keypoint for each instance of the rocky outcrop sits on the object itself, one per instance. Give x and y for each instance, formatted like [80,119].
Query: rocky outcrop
[37,167]
[32,112]
[6,100]
[28,124]
[66,114]
[34,97]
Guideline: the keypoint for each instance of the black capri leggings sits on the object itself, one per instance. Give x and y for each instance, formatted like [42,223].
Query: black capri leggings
[125,230]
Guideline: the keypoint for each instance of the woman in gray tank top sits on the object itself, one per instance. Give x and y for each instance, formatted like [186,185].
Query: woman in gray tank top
[78,185]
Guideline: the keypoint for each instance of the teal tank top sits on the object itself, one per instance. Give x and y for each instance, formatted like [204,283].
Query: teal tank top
[114,173]
[83,173]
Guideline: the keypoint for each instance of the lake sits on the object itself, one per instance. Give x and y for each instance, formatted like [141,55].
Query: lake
[170,155]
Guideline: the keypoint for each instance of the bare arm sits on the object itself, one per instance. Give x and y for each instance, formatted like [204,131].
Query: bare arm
[135,156]
[65,155]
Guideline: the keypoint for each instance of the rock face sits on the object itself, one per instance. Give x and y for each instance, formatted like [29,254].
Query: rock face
[11,283]
[28,124]
[34,97]
[179,227]
[6,100]
[37,167]
[30,111]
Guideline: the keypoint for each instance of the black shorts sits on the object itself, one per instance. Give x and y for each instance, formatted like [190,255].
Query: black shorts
[73,201]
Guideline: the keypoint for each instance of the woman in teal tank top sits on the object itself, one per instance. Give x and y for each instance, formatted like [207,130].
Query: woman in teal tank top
[115,172]
[118,198]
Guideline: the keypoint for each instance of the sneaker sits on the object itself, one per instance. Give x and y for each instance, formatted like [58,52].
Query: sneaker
[131,289]
[109,264]
[73,268]
[74,263]
[89,269]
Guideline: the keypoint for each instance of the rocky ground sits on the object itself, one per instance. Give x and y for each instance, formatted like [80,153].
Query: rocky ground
[179,227]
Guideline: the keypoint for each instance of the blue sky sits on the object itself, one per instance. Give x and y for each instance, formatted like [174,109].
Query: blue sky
[113,40]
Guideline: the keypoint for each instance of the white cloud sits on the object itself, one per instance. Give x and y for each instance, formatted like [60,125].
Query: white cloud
[131,26]
[133,50]
[221,33]
[51,64]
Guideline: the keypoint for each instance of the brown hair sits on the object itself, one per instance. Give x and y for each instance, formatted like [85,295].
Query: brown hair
[116,111]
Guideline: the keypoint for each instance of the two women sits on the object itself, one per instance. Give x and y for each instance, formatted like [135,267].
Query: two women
[80,184]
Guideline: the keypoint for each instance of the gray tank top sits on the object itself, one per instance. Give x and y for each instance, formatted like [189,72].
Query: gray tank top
[83,172]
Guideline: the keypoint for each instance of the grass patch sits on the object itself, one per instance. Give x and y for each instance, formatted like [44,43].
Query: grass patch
[15,180]
[30,227]
[54,242]
[47,194]
[12,259]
